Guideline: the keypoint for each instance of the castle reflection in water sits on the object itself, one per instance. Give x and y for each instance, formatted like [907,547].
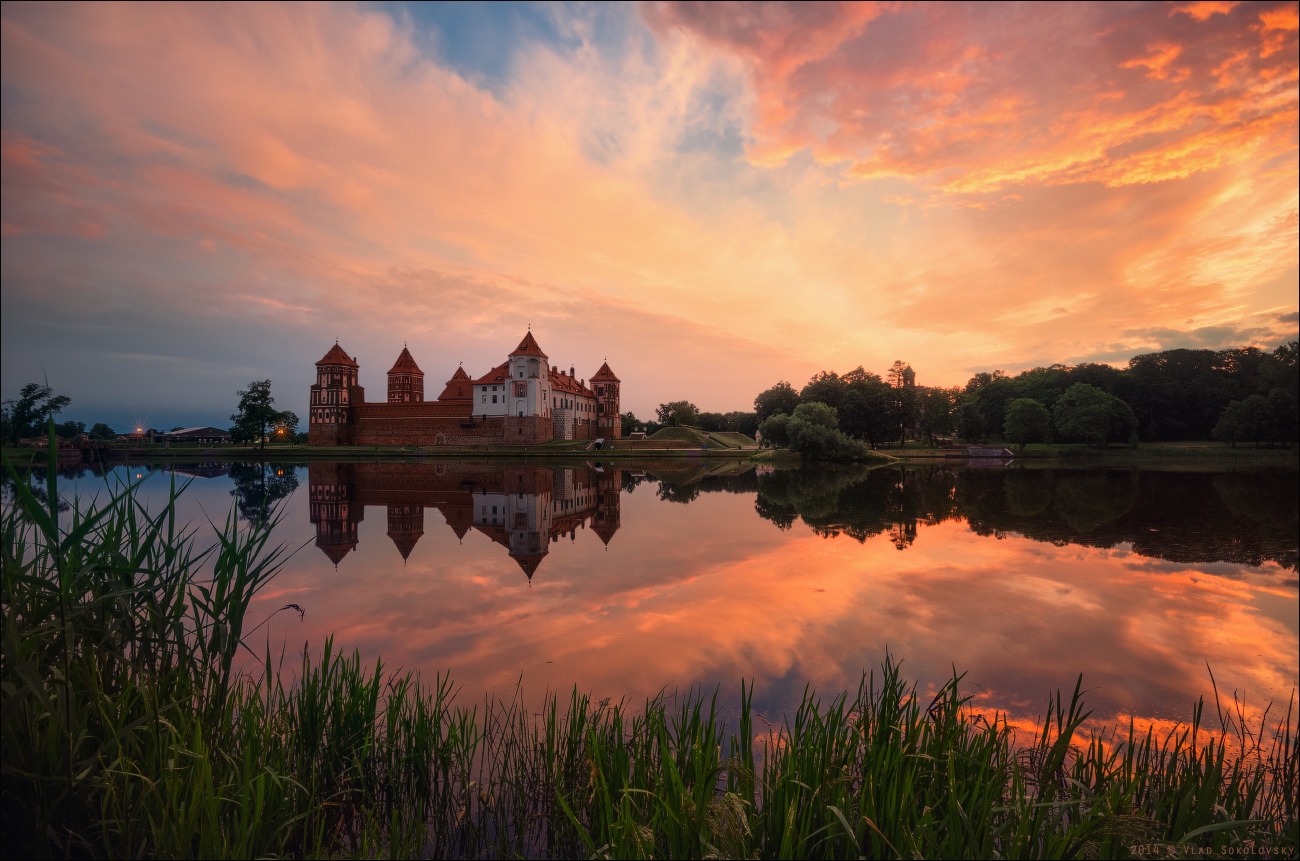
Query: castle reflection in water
[522,508]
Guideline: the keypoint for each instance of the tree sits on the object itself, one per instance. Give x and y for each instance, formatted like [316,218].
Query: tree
[817,414]
[1247,420]
[257,414]
[897,373]
[69,429]
[903,412]
[27,416]
[937,408]
[258,487]
[1089,414]
[631,424]
[742,422]
[813,431]
[1027,421]
[102,431]
[775,431]
[969,419]
[781,398]
[678,413]
[826,388]
[285,429]
[865,411]
[713,422]
[1286,415]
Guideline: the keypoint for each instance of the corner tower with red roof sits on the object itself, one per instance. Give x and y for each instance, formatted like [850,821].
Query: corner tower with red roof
[609,421]
[405,380]
[329,421]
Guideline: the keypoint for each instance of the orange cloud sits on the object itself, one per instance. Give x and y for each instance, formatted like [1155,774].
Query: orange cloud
[968,99]
[823,188]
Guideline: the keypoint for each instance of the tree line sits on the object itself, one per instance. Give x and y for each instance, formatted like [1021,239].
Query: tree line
[255,420]
[1236,395]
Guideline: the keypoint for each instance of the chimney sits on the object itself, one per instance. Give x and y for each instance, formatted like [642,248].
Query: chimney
[571,374]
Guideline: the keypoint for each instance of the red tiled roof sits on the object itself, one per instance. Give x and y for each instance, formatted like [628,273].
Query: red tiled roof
[499,374]
[605,375]
[528,347]
[565,383]
[336,356]
[459,388]
[405,364]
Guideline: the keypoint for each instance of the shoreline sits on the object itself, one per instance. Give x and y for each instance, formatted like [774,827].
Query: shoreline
[1154,454]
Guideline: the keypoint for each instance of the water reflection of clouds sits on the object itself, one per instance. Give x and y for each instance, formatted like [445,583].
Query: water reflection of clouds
[707,592]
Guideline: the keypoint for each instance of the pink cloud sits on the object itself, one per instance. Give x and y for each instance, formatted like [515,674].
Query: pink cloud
[987,186]
[971,98]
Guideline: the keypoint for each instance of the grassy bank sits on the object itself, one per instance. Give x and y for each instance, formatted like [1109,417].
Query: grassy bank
[1208,451]
[129,729]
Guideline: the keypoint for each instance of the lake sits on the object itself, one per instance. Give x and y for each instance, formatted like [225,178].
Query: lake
[627,579]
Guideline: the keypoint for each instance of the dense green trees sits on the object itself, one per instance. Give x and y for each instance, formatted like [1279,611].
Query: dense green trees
[1174,395]
[1259,419]
[781,398]
[678,413]
[737,422]
[1087,414]
[1027,421]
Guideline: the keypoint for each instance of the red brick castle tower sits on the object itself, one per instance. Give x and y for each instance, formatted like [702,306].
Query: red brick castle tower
[405,380]
[330,419]
[610,419]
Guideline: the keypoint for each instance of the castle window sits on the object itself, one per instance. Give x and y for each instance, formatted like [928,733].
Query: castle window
[494,399]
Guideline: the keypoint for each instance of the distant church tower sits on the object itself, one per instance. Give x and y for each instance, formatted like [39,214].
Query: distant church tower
[610,423]
[405,380]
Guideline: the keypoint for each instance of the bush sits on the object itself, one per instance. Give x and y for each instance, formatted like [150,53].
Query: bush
[813,431]
[774,430]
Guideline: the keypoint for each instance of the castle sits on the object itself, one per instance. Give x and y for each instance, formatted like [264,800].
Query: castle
[523,401]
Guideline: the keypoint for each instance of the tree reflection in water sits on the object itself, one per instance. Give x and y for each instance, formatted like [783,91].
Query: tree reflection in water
[1186,517]
[1243,518]
[259,486]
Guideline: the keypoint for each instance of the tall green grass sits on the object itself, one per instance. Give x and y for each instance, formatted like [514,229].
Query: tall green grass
[130,729]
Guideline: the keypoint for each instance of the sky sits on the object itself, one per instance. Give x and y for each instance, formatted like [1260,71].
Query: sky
[712,197]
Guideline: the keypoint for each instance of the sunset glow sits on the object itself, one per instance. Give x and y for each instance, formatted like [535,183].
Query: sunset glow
[711,196]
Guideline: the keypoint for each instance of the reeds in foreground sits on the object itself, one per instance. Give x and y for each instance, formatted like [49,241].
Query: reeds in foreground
[129,731]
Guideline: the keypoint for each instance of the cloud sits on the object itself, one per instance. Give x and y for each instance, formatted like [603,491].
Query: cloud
[974,98]
[821,188]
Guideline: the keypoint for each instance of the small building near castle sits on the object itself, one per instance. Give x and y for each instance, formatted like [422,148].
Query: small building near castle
[522,401]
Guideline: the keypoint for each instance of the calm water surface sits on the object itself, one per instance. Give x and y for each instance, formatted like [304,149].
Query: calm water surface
[624,581]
